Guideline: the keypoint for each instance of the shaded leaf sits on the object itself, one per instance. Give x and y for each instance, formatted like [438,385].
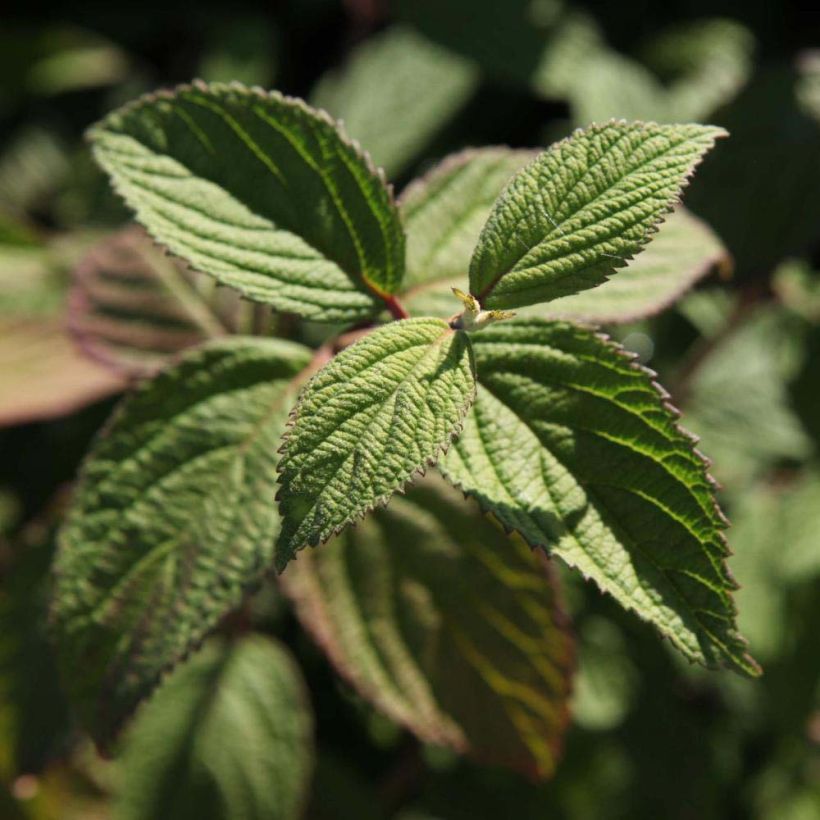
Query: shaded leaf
[446,625]
[395,93]
[570,443]
[296,217]
[683,251]
[132,306]
[443,213]
[762,196]
[43,375]
[506,39]
[705,63]
[172,521]
[227,737]
[582,209]
[378,413]
[737,401]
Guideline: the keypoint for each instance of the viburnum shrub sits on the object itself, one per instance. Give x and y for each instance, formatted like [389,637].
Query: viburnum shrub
[248,447]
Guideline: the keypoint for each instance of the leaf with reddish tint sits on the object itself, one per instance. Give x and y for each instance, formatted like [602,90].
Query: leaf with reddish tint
[446,625]
[43,375]
[132,306]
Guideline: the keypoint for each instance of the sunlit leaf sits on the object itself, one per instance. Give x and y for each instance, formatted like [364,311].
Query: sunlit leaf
[261,192]
[571,443]
[380,412]
[445,210]
[582,209]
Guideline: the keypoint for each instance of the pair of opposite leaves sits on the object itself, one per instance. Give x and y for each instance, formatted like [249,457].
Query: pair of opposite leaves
[564,439]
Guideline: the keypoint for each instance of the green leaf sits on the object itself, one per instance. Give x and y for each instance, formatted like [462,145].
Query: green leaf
[43,375]
[705,62]
[381,411]
[570,443]
[506,40]
[132,307]
[443,213]
[173,520]
[774,540]
[446,625]
[582,209]
[762,194]
[397,91]
[737,401]
[260,191]
[683,251]
[227,737]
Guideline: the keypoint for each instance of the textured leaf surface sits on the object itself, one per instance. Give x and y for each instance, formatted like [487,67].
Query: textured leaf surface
[443,214]
[43,375]
[683,251]
[570,443]
[132,307]
[582,209]
[227,737]
[261,192]
[446,625]
[173,519]
[381,411]
[397,91]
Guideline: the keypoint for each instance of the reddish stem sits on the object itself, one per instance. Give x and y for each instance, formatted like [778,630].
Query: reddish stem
[396,308]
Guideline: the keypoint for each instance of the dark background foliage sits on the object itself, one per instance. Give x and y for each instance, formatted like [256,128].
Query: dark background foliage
[652,737]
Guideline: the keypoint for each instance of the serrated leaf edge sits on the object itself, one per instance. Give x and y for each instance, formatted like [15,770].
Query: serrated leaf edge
[745,661]
[716,132]
[263,94]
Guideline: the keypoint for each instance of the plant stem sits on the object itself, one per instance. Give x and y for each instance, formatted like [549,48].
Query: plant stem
[396,308]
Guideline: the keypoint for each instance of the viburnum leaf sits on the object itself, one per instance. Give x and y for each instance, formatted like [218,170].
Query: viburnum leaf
[132,307]
[446,625]
[704,62]
[43,375]
[260,191]
[571,443]
[172,521]
[443,213]
[684,250]
[582,209]
[378,413]
[396,92]
[228,735]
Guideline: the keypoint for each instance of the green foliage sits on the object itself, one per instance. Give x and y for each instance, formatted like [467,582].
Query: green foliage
[434,617]
[750,436]
[381,411]
[132,307]
[571,444]
[172,522]
[321,237]
[178,762]
[581,210]
[397,92]
[443,214]
[471,648]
